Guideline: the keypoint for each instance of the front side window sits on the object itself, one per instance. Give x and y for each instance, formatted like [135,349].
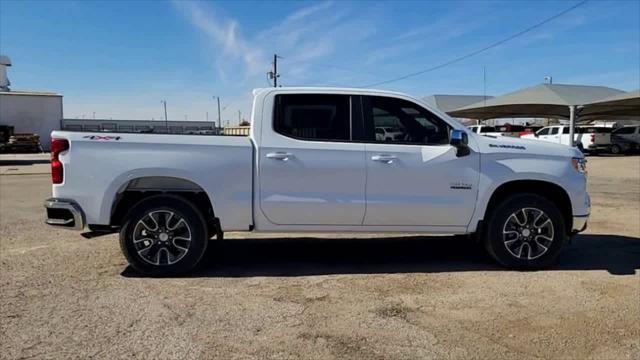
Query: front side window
[544,131]
[400,121]
[313,116]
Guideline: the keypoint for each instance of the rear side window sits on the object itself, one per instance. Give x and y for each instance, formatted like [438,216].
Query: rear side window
[313,116]
[554,130]
[625,131]
[595,130]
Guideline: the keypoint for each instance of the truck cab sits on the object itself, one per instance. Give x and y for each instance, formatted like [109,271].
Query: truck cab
[590,139]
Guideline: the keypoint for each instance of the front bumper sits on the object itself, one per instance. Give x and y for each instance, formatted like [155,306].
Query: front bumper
[64,213]
[579,224]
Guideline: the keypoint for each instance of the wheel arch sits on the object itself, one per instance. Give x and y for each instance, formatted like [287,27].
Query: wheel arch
[551,191]
[140,188]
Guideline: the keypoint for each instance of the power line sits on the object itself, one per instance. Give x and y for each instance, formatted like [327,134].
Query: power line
[497,43]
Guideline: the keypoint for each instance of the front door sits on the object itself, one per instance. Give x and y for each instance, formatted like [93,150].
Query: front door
[416,178]
[311,173]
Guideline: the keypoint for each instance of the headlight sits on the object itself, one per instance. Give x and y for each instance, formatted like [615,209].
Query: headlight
[580,164]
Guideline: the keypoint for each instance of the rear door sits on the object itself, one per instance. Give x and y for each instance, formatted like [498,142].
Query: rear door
[311,172]
[416,178]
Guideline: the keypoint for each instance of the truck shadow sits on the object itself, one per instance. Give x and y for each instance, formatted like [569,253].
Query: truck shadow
[619,255]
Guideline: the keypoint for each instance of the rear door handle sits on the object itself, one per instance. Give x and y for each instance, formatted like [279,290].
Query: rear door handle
[284,156]
[384,158]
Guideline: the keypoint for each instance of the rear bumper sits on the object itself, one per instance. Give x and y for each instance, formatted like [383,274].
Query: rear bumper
[64,213]
[579,224]
[598,147]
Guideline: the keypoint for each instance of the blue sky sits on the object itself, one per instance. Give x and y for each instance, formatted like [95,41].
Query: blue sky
[121,58]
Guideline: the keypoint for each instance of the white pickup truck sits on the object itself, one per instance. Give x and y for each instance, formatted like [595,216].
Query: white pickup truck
[313,163]
[590,139]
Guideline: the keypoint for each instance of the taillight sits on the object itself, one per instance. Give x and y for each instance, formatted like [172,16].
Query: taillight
[57,146]
[593,138]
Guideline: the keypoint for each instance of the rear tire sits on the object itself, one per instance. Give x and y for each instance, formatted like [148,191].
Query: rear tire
[163,235]
[615,149]
[525,232]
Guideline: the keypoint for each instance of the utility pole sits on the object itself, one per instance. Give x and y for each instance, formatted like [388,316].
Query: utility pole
[239,116]
[484,85]
[219,118]
[166,121]
[273,75]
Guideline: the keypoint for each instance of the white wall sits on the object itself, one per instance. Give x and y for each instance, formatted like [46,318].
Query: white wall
[39,114]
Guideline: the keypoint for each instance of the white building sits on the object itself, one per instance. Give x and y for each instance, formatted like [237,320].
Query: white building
[29,111]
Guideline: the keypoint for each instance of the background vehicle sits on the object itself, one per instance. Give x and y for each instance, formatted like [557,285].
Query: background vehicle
[589,139]
[388,134]
[625,139]
[499,130]
[484,130]
[313,163]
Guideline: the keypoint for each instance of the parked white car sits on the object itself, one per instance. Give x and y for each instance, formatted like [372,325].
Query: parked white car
[313,163]
[590,139]
[500,130]
[485,130]
[388,134]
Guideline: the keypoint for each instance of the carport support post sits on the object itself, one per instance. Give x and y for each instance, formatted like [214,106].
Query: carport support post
[572,124]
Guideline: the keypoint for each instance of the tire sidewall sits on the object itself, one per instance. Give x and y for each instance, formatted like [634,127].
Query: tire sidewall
[615,149]
[181,207]
[493,240]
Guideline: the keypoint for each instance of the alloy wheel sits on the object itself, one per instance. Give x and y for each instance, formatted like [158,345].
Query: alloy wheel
[528,233]
[162,237]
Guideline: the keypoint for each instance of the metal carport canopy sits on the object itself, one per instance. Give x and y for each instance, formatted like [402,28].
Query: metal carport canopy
[544,100]
[619,107]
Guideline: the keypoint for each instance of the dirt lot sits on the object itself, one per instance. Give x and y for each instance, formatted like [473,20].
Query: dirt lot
[62,295]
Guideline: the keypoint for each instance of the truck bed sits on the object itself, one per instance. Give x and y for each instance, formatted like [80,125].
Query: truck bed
[114,161]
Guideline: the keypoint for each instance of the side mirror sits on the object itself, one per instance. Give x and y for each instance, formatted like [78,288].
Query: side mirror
[460,140]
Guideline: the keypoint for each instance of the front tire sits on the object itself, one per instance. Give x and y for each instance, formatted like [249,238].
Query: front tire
[163,235]
[525,232]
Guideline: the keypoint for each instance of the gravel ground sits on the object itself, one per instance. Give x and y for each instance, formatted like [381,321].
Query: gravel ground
[343,296]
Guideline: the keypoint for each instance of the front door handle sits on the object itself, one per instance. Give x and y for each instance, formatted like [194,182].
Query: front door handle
[284,156]
[384,158]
